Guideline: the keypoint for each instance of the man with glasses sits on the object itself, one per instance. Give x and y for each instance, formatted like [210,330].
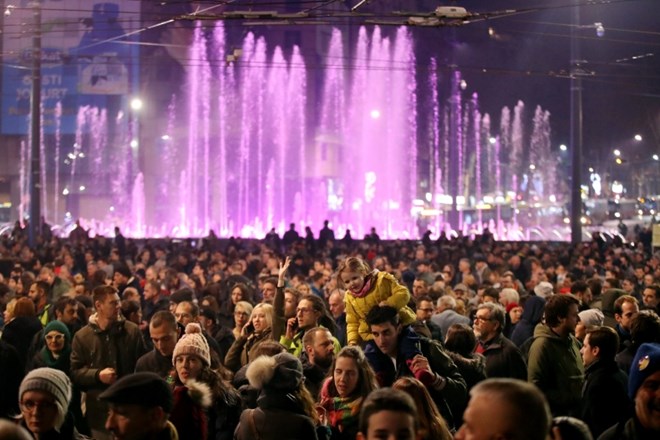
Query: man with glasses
[424,306]
[503,358]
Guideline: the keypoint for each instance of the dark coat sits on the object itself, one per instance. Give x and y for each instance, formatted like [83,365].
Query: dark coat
[19,333]
[630,430]
[10,379]
[314,376]
[93,349]
[503,359]
[155,363]
[277,417]
[450,395]
[604,397]
[531,316]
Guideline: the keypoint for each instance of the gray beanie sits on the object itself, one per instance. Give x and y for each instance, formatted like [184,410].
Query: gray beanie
[591,317]
[51,381]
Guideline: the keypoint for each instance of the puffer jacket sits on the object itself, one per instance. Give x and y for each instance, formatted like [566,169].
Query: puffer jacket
[384,288]
[93,349]
[556,367]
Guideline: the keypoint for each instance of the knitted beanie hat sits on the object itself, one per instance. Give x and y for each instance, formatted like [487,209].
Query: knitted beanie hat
[51,381]
[591,317]
[59,327]
[193,342]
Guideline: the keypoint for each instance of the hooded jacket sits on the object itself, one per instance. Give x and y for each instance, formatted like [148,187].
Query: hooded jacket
[555,366]
[531,316]
[384,287]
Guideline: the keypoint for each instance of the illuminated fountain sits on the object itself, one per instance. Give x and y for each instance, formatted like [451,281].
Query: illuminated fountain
[256,151]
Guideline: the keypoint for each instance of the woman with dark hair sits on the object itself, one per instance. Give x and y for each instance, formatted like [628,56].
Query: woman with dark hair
[239,292]
[431,424]
[285,408]
[205,405]
[350,382]
[460,343]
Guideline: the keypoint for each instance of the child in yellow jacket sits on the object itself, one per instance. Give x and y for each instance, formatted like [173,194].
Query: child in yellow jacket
[366,289]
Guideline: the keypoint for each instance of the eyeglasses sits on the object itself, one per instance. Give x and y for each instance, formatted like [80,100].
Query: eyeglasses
[304,310]
[57,337]
[426,310]
[240,314]
[31,405]
[482,318]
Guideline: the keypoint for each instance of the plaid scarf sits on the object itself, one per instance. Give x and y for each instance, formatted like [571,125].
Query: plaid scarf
[341,412]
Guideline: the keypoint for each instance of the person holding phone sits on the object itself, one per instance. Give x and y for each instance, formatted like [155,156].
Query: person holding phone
[257,330]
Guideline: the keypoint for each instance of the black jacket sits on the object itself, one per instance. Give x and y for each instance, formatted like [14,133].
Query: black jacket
[604,397]
[19,333]
[503,359]
[449,393]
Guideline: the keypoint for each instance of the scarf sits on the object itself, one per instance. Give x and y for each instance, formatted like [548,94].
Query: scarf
[368,281]
[341,412]
[61,363]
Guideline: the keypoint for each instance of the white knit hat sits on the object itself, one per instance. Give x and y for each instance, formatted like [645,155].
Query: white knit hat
[193,342]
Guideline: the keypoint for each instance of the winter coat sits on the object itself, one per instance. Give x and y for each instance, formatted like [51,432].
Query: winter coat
[242,350]
[93,349]
[19,333]
[531,316]
[630,430]
[473,369]
[156,363]
[10,379]
[604,397]
[503,359]
[277,417]
[384,288]
[555,366]
[449,394]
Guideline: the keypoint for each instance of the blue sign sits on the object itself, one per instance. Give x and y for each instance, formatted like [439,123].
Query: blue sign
[85,56]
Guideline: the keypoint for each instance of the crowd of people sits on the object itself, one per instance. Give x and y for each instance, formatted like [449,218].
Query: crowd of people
[301,337]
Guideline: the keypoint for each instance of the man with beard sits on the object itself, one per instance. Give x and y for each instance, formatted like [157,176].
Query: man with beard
[318,355]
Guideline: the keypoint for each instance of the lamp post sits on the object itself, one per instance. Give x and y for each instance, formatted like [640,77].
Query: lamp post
[35,129]
[576,130]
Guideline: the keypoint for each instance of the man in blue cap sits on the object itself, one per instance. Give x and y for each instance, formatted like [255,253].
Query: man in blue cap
[644,390]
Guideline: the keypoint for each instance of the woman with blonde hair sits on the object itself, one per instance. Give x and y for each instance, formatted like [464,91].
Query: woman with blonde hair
[431,424]
[350,382]
[257,329]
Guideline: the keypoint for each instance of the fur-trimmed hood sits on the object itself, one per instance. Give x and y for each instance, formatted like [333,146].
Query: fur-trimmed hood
[260,371]
[199,393]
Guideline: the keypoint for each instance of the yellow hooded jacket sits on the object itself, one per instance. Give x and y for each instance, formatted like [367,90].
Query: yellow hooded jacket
[384,288]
